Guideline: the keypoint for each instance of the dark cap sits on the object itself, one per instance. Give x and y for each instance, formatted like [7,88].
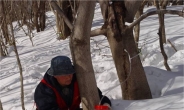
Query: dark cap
[61,65]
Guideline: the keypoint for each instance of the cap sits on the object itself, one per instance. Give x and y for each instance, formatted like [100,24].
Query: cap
[61,65]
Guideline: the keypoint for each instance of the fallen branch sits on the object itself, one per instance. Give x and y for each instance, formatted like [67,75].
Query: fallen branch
[172,45]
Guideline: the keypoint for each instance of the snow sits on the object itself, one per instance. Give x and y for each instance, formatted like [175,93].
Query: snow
[166,87]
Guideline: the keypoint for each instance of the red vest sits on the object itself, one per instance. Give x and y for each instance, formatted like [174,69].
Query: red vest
[62,105]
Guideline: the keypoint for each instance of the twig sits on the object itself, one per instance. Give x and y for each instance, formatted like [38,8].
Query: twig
[180,13]
[172,45]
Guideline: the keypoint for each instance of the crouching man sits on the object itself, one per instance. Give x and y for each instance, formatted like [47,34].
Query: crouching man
[58,90]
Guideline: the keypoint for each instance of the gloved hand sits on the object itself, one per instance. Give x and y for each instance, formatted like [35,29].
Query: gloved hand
[106,104]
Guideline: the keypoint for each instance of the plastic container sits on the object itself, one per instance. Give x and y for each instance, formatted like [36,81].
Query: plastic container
[101,107]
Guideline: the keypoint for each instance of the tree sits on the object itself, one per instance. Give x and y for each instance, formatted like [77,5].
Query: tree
[80,45]
[121,41]
[3,21]
[35,15]
[13,42]
[161,33]
[123,48]
[62,28]
[42,18]
[120,38]
[137,27]
[1,107]
[38,8]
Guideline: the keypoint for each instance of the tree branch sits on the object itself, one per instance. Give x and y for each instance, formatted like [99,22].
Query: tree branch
[97,32]
[58,9]
[175,12]
[94,33]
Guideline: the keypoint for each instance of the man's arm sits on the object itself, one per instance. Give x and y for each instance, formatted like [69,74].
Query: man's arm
[104,99]
[45,98]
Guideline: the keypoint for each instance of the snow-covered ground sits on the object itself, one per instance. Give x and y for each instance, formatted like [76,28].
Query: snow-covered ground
[166,87]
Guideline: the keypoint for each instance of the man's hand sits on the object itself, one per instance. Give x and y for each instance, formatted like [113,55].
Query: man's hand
[106,104]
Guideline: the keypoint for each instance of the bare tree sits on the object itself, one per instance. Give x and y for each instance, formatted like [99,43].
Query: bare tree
[35,15]
[20,68]
[163,4]
[176,2]
[80,45]
[122,45]
[13,42]
[137,27]
[62,28]
[42,18]
[161,33]
[120,38]
[1,107]
[3,21]
[3,49]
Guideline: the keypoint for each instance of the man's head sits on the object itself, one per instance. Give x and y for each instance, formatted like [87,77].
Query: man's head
[62,69]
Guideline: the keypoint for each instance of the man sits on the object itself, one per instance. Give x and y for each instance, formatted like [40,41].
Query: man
[58,90]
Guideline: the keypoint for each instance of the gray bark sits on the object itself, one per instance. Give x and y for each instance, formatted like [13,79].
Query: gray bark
[131,7]
[163,6]
[80,47]
[19,64]
[120,40]
[1,106]
[160,33]
[137,27]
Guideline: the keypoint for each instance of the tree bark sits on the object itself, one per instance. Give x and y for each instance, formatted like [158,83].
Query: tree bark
[172,45]
[179,2]
[1,107]
[35,17]
[3,20]
[1,26]
[20,66]
[137,27]
[104,8]
[160,33]
[120,41]
[3,50]
[131,9]
[80,47]
[163,6]
[42,18]
[62,27]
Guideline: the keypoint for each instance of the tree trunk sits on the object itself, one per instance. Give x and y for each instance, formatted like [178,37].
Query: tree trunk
[3,20]
[104,8]
[1,107]
[180,2]
[18,62]
[35,17]
[131,9]
[63,30]
[133,87]
[163,6]
[42,15]
[3,50]
[160,33]
[80,47]
[137,27]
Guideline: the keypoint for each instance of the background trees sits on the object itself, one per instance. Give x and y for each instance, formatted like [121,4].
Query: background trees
[119,35]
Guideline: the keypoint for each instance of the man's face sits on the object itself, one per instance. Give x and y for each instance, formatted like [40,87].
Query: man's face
[64,80]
